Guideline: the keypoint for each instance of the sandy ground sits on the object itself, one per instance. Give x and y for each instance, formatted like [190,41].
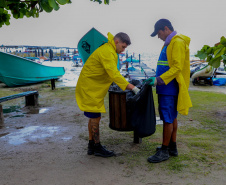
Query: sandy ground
[45,147]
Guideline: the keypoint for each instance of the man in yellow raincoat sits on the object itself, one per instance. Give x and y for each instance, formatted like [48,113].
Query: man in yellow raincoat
[98,73]
[172,82]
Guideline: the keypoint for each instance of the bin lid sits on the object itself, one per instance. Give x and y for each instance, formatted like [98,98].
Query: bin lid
[118,91]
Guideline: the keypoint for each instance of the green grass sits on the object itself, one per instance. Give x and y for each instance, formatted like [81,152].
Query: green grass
[46,94]
[200,140]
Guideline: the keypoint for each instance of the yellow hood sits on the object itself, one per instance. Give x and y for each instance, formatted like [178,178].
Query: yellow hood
[111,40]
[183,37]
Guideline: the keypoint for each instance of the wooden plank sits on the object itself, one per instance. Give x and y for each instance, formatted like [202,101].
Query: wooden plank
[11,97]
[31,98]
[117,110]
[123,111]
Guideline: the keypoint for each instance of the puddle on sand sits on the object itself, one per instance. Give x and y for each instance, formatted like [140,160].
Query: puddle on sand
[37,111]
[31,133]
[4,134]
[14,110]
[17,116]
[66,138]
[11,109]
[43,110]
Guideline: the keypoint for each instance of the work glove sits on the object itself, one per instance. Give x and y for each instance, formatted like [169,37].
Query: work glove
[151,81]
[135,90]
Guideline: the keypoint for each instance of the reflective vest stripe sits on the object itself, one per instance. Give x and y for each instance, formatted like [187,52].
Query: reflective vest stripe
[163,63]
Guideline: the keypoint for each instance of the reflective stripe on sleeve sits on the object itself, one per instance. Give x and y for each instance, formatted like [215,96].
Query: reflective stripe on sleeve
[163,63]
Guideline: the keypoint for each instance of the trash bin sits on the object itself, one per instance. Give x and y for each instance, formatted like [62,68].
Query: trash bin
[117,109]
[130,112]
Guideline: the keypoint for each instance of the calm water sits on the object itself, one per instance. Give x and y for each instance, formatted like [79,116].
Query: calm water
[72,73]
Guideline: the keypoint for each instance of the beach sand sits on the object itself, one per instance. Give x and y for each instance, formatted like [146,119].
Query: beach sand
[47,145]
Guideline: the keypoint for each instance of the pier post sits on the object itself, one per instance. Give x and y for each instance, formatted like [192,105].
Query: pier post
[50,55]
[42,53]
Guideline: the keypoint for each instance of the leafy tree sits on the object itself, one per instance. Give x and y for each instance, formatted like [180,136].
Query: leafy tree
[30,8]
[214,55]
[99,1]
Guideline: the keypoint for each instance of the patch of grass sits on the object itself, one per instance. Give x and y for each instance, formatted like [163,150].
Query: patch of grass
[18,102]
[200,140]
[201,134]
[177,164]
[65,96]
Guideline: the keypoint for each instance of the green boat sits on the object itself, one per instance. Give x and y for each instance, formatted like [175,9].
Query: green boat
[92,40]
[18,71]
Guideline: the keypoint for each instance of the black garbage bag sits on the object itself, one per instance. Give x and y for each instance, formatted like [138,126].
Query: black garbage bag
[141,112]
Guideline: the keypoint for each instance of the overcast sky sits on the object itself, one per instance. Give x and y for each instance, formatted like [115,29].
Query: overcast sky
[204,21]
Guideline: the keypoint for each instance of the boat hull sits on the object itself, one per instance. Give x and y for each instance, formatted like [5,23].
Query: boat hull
[92,40]
[18,71]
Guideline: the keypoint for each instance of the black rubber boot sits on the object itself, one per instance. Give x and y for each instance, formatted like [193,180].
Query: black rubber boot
[90,147]
[161,155]
[99,150]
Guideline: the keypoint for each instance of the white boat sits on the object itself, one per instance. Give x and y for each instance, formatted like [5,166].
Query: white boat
[35,59]
[221,70]
[76,61]
[203,76]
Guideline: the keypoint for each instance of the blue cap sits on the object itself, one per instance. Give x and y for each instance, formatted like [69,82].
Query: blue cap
[160,25]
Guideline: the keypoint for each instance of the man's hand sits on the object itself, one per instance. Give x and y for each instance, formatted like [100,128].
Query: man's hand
[135,90]
[151,81]
[132,88]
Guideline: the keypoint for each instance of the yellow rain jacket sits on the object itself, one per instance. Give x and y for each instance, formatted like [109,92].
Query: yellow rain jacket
[98,73]
[179,62]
